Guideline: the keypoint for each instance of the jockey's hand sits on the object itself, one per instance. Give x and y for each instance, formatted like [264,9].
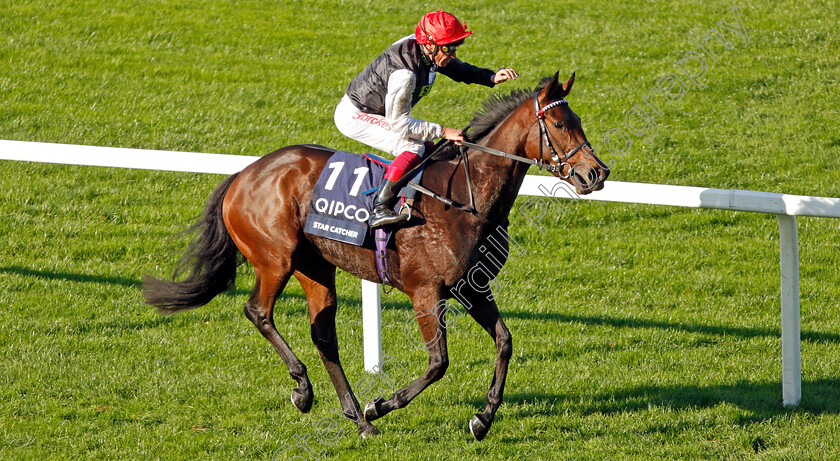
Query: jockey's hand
[452,134]
[505,74]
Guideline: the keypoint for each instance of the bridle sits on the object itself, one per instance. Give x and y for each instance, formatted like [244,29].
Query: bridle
[548,139]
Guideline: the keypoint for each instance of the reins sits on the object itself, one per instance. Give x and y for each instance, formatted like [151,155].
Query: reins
[548,139]
[469,209]
[539,163]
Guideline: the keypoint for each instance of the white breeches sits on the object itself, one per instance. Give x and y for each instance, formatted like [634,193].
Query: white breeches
[372,130]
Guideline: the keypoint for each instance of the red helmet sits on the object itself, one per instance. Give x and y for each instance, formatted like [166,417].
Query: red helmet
[440,28]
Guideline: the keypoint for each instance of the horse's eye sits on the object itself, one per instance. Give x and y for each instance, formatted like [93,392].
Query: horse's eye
[559,126]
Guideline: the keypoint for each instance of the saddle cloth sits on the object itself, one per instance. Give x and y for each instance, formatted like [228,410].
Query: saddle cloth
[343,197]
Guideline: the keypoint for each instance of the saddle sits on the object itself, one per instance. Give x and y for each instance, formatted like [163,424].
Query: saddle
[343,198]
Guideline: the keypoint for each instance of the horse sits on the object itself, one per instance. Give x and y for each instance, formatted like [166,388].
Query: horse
[259,213]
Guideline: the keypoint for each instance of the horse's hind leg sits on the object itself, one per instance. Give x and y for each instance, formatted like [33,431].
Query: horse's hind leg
[259,310]
[317,277]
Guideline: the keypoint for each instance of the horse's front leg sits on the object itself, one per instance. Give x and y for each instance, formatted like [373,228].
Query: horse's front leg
[427,311]
[486,313]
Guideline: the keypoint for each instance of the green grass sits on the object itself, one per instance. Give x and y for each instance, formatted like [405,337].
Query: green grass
[639,332]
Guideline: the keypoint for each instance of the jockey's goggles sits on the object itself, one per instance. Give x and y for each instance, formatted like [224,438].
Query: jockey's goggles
[451,48]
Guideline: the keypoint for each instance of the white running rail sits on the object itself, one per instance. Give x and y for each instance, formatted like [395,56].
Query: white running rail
[785,207]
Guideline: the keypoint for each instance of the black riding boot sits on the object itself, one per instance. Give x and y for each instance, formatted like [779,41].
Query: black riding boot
[382,214]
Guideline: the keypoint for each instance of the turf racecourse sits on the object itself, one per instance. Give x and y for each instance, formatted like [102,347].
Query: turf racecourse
[639,332]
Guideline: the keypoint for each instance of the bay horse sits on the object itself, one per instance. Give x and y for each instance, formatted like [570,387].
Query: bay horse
[259,214]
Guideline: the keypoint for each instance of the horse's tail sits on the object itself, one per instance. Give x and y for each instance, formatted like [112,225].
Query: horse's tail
[211,261]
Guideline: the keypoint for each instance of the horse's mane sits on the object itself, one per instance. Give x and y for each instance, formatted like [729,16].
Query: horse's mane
[492,112]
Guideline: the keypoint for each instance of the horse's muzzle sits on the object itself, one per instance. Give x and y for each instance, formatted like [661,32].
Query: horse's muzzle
[589,179]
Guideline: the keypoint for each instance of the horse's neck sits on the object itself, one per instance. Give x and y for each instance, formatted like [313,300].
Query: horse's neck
[498,179]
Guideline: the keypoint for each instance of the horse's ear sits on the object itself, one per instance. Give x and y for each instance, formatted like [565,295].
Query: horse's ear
[550,87]
[555,90]
[567,85]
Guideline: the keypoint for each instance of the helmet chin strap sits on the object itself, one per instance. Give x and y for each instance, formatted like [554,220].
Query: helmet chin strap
[433,53]
[431,40]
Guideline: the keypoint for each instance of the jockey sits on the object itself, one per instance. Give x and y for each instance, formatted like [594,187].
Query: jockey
[376,109]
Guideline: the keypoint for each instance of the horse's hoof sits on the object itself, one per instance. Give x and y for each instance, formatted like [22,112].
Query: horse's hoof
[477,428]
[302,402]
[369,431]
[371,412]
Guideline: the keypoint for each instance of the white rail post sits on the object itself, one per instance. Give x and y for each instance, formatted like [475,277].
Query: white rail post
[371,326]
[791,352]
